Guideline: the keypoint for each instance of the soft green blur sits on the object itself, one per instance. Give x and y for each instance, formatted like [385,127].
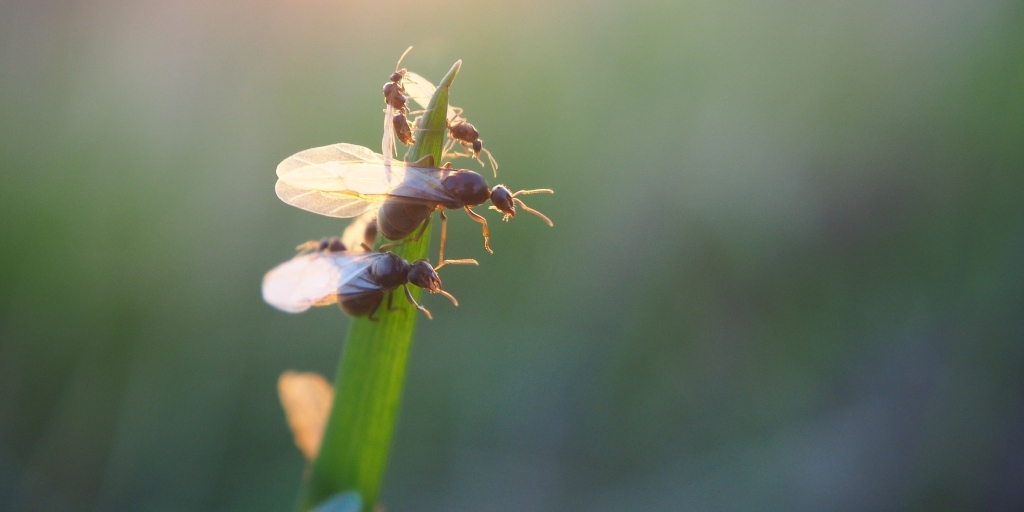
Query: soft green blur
[786,272]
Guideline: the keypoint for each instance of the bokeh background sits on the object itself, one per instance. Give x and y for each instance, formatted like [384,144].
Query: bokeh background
[786,272]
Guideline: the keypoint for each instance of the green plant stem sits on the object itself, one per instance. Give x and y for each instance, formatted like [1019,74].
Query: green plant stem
[368,383]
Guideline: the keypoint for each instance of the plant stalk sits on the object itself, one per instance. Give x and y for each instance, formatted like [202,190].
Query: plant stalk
[371,372]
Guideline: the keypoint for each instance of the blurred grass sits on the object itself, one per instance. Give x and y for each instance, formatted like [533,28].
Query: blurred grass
[805,293]
[371,372]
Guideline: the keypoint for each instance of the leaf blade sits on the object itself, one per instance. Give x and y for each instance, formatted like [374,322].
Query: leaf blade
[370,375]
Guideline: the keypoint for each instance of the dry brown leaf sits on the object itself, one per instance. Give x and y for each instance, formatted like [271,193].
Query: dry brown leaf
[306,398]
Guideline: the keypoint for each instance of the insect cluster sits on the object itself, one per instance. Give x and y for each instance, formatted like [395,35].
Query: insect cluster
[392,198]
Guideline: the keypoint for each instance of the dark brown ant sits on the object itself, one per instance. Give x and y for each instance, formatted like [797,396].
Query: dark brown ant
[394,91]
[355,280]
[352,188]
[461,131]
[420,90]
[363,295]
[410,205]
[395,120]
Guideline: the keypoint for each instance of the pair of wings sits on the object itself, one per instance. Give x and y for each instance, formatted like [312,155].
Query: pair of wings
[345,180]
[419,90]
[318,278]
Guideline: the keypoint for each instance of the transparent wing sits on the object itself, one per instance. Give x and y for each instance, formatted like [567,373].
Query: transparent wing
[345,180]
[313,279]
[387,144]
[420,90]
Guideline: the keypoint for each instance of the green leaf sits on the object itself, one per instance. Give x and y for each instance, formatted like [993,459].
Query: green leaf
[368,384]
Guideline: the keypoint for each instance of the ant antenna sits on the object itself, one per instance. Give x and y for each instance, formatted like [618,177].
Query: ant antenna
[399,63]
[494,163]
[457,262]
[450,296]
[531,210]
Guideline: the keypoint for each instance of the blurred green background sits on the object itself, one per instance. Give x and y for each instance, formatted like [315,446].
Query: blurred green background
[786,272]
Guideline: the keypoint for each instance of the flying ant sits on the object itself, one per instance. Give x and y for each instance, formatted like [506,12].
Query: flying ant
[344,180]
[395,120]
[420,90]
[355,280]
[466,134]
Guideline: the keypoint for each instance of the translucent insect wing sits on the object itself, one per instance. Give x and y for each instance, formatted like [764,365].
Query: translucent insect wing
[341,180]
[387,143]
[307,279]
[420,90]
[345,180]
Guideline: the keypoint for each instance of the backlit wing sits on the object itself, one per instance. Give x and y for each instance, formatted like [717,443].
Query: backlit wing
[420,90]
[387,144]
[313,279]
[345,180]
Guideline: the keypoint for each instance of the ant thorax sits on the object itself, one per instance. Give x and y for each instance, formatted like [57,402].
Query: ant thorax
[468,186]
[390,271]
[393,96]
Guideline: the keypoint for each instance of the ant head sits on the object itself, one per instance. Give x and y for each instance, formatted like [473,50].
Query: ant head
[397,76]
[422,274]
[505,202]
[477,146]
[502,200]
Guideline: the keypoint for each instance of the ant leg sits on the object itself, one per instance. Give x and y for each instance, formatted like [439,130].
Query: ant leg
[388,247]
[371,318]
[426,223]
[408,296]
[444,236]
[391,295]
[448,148]
[469,153]
[309,246]
[490,158]
[487,235]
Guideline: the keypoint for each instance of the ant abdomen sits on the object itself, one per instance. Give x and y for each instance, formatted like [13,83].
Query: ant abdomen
[361,304]
[398,219]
